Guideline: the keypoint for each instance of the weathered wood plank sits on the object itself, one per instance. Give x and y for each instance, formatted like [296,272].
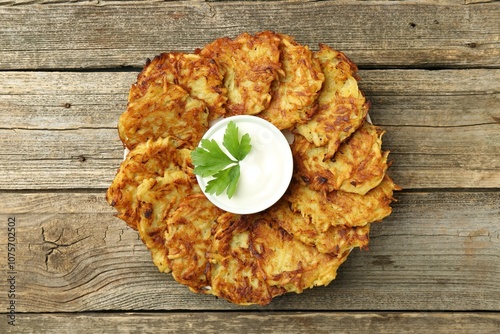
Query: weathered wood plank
[58,129]
[72,255]
[113,34]
[69,100]
[63,100]
[294,322]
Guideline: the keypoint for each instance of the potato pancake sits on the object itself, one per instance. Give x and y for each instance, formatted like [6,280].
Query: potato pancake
[295,91]
[342,107]
[236,273]
[341,208]
[289,263]
[249,64]
[158,198]
[146,160]
[188,239]
[358,166]
[164,110]
[336,240]
[198,76]
[254,260]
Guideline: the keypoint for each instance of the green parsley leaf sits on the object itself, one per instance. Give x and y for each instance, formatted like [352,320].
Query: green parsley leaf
[210,160]
[234,176]
[226,178]
[231,142]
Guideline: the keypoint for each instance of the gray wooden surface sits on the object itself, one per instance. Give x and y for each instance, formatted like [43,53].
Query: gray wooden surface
[432,73]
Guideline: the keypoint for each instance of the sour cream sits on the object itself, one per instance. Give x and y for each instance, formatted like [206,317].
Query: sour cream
[265,172]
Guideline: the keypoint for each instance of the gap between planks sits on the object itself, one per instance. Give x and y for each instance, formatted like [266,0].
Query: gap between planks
[261,323]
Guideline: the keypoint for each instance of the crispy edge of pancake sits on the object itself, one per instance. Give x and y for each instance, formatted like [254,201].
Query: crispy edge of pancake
[342,107]
[158,198]
[146,160]
[164,110]
[295,90]
[249,64]
[335,208]
[188,238]
[335,240]
[358,166]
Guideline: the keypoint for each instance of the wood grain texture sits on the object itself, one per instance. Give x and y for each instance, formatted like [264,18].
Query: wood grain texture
[102,34]
[74,256]
[258,323]
[58,129]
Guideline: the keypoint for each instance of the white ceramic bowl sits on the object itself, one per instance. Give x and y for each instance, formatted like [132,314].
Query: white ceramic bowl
[265,172]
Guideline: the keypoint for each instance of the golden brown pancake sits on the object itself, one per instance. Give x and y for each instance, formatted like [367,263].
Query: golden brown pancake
[342,208]
[188,239]
[249,64]
[338,239]
[342,107]
[358,166]
[254,260]
[147,160]
[198,76]
[158,198]
[236,273]
[165,109]
[295,91]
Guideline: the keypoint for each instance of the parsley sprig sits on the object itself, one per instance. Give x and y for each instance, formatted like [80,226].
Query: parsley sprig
[210,160]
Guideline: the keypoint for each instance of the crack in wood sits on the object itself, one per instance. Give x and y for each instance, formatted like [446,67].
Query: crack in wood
[105,233]
[55,245]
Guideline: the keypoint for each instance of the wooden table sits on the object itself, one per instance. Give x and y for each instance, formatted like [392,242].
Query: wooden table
[432,73]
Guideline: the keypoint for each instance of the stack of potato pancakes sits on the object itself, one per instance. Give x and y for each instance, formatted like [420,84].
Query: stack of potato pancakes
[339,185]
